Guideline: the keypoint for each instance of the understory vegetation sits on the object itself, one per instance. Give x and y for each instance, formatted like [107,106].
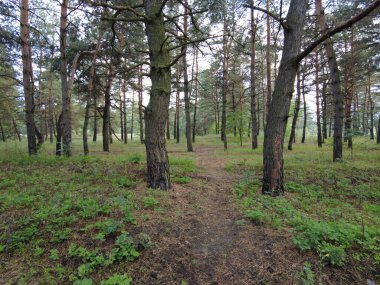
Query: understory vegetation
[330,209]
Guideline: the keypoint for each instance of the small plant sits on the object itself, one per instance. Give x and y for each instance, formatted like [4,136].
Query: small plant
[118,279]
[150,202]
[84,281]
[335,255]
[255,216]
[182,180]
[124,182]
[307,274]
[135,158]
[54,254]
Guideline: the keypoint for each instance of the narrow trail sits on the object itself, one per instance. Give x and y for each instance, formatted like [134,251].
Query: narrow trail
[202,243]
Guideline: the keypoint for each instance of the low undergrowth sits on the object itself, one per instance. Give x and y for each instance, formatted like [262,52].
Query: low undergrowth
[330,208]
[70,220]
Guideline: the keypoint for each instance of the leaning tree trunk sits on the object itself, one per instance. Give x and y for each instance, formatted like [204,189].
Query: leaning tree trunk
[273,178]
[27,77]
[254,128]
[335,83]
[155,112]
[296,111]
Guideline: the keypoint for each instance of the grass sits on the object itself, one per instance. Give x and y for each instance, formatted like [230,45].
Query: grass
[330,208]
[64,220]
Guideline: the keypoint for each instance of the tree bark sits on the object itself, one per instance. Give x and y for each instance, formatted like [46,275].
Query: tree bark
[304,108]
[3,138]
[225,79]
[16,129]
[123,91]
[378,131]
[196,95]
[66,100]
[296,111]
[268,59]
[155,112]
[141,121]
[335,83]
[106,131]
[254,127]
[317,96]
[273,178]
[27,77]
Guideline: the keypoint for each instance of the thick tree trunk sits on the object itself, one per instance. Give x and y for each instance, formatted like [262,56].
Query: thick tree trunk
[254,127]
[155,112]
[66,100]
[335,83]
[27,77]
[296,111]
[273,178]
[186,87]
[106,131]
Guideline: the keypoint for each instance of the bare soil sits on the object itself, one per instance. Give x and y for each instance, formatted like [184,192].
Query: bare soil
[203,242]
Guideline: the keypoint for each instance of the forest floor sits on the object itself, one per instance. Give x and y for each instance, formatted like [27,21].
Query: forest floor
[92,220]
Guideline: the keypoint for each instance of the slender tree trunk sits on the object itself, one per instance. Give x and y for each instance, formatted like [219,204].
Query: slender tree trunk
[3,138]
[124,88]
[168,125]
[66,100]
[141,121]
[196,95]
[225,78]
[317,95]
[335,83]
[121,105]
[304,108]
[107,108]
[155,112]
[371,108]
[16,129]
[175,125]
[324,108]
[349,87]
[204,123]
[27,77]
[186,87]
[51,113]
[177,76]
[296,111]
[254,127]
[273,176]
[378,131]
[269,60]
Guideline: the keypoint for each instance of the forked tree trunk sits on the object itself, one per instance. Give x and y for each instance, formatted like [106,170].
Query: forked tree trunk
[254,127]
[155,112]
[27,77]
[273,183]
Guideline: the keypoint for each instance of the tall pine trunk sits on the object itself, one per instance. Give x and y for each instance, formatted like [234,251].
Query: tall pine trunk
[254,127]
[335,83]
[317,96]
[155,112]
[106,131]
[296,111]
[27,77]
[273,176]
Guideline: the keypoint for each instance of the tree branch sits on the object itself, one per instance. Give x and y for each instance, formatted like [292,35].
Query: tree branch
[342,26]
[277,18]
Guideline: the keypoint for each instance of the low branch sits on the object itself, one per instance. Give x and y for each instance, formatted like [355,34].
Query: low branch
[342,26]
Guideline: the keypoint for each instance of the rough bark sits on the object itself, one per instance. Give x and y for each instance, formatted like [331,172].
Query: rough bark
[155,112]
[254,127]
[140,92]
[317,96]
[196,95]
[273,183]
[186,87]
[177,77]
[27,77]
[268,60]
[304,108]
[335,83]
[66,100]
[106,131]
[296,111]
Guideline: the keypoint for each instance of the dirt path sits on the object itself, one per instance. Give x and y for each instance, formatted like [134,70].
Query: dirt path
[202,243]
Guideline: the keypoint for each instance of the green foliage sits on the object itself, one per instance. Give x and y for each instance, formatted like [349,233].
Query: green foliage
[182,180]
[307,274]
[54,254]
[135,158]
[150,201]
[118,279]
[85,281]
[124,182]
